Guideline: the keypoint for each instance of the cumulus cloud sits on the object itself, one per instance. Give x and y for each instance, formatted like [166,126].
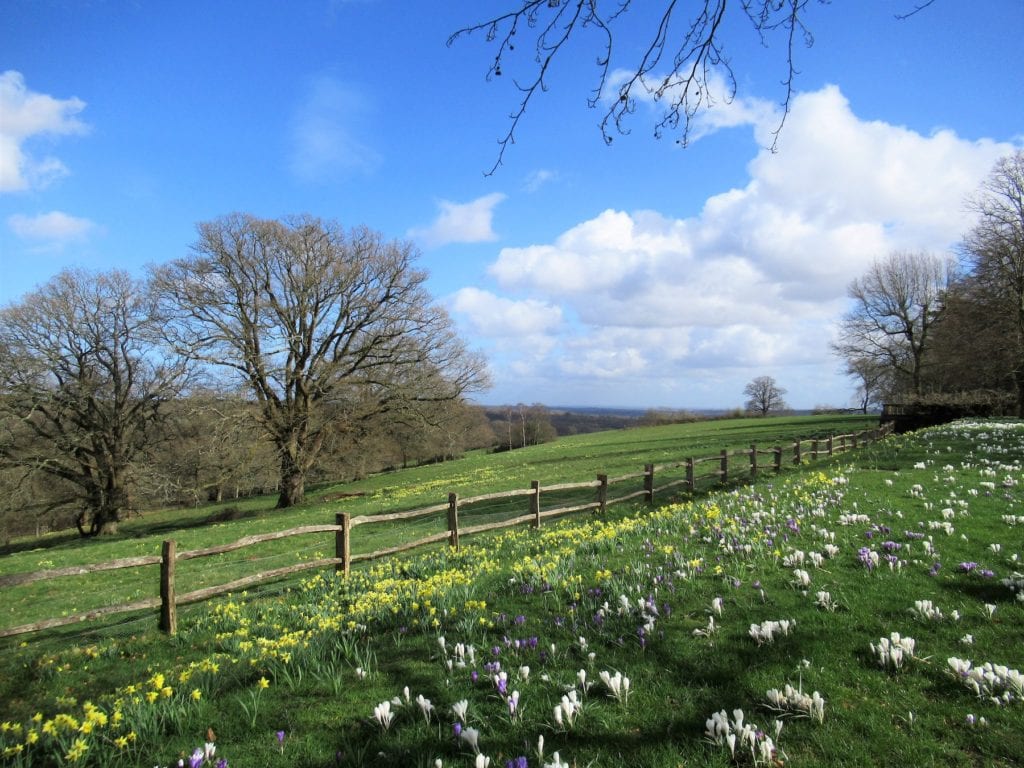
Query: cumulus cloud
[51,230]
[461,222]
[324,132]
[495,316]
[754,281]
[25,115]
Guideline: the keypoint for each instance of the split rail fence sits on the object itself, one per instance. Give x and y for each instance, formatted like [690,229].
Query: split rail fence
[582,496]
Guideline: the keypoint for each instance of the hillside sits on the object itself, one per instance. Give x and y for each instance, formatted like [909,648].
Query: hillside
[615,639]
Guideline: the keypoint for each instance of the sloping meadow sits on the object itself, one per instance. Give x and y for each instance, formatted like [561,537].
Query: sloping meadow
[868,612]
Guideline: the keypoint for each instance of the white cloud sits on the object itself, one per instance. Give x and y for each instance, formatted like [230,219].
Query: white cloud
[51,230]
[537,179]
[24,115]
[324,133]
[461,222]
[718,107]
[495,316]
[752,283]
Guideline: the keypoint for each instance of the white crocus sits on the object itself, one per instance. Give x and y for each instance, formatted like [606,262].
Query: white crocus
[383,714]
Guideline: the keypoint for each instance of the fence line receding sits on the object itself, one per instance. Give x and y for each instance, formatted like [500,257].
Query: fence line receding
[570,497]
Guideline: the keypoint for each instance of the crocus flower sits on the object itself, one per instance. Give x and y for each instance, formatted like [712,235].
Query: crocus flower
[472,737]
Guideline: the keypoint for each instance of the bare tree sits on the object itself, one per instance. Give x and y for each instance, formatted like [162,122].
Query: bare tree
[896,305]
[764,395]
[872,380]
[82,382]
[994,251]
[307,316]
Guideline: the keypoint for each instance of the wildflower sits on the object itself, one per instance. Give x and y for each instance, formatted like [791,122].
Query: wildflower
[459,709]
[472,737]
[280,741]
[263,683]
[617,685]
[425,707]
[77,750]
[513,704]
[383,714]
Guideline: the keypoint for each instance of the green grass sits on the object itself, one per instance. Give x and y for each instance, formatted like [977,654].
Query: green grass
[552,585]
[578,458]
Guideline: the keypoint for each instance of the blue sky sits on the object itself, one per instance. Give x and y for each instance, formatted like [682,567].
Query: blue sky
[640,274]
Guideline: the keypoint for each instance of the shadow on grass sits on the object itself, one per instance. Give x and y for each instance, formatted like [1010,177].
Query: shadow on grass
[977,588]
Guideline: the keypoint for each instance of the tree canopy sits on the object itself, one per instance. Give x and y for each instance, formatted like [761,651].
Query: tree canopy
[323,327]
[764,396]
[82,384]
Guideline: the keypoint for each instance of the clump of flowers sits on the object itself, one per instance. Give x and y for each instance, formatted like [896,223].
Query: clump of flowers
[997,682]
[617,685]
[894,651]
[766,631]
[384,715]
[794,700]
[824,599]
[730,733]
[925,609]
[868,557]
[568,710]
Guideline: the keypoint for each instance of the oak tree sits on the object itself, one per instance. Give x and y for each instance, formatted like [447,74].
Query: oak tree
[324,327]
[83,379]
[764,396]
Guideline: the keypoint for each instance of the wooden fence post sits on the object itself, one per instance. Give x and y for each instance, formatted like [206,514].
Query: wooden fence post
[342,548]
[753,461]
[453,520]
[168,607]
[535,502]
[829,445]
[691,482]
[797,458]
[725,465]
[854,438]
[778,458]
[602,493]
[814,450]
[649,483]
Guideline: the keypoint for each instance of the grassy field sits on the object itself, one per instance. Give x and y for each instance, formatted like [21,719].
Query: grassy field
[570,459]
[651,637]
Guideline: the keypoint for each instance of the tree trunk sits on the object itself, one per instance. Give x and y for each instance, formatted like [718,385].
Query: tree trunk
[293,482]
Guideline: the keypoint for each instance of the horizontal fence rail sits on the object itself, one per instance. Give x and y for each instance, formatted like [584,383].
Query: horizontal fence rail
[571,497]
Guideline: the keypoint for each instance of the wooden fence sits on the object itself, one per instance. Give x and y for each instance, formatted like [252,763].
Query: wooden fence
[596,496]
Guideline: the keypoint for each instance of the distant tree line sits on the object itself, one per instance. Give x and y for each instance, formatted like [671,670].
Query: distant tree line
[930,329]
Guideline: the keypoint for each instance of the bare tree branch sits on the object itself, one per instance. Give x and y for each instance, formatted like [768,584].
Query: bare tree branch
[677,68]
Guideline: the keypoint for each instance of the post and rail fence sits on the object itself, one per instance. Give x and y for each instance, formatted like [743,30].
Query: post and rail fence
[599,500]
